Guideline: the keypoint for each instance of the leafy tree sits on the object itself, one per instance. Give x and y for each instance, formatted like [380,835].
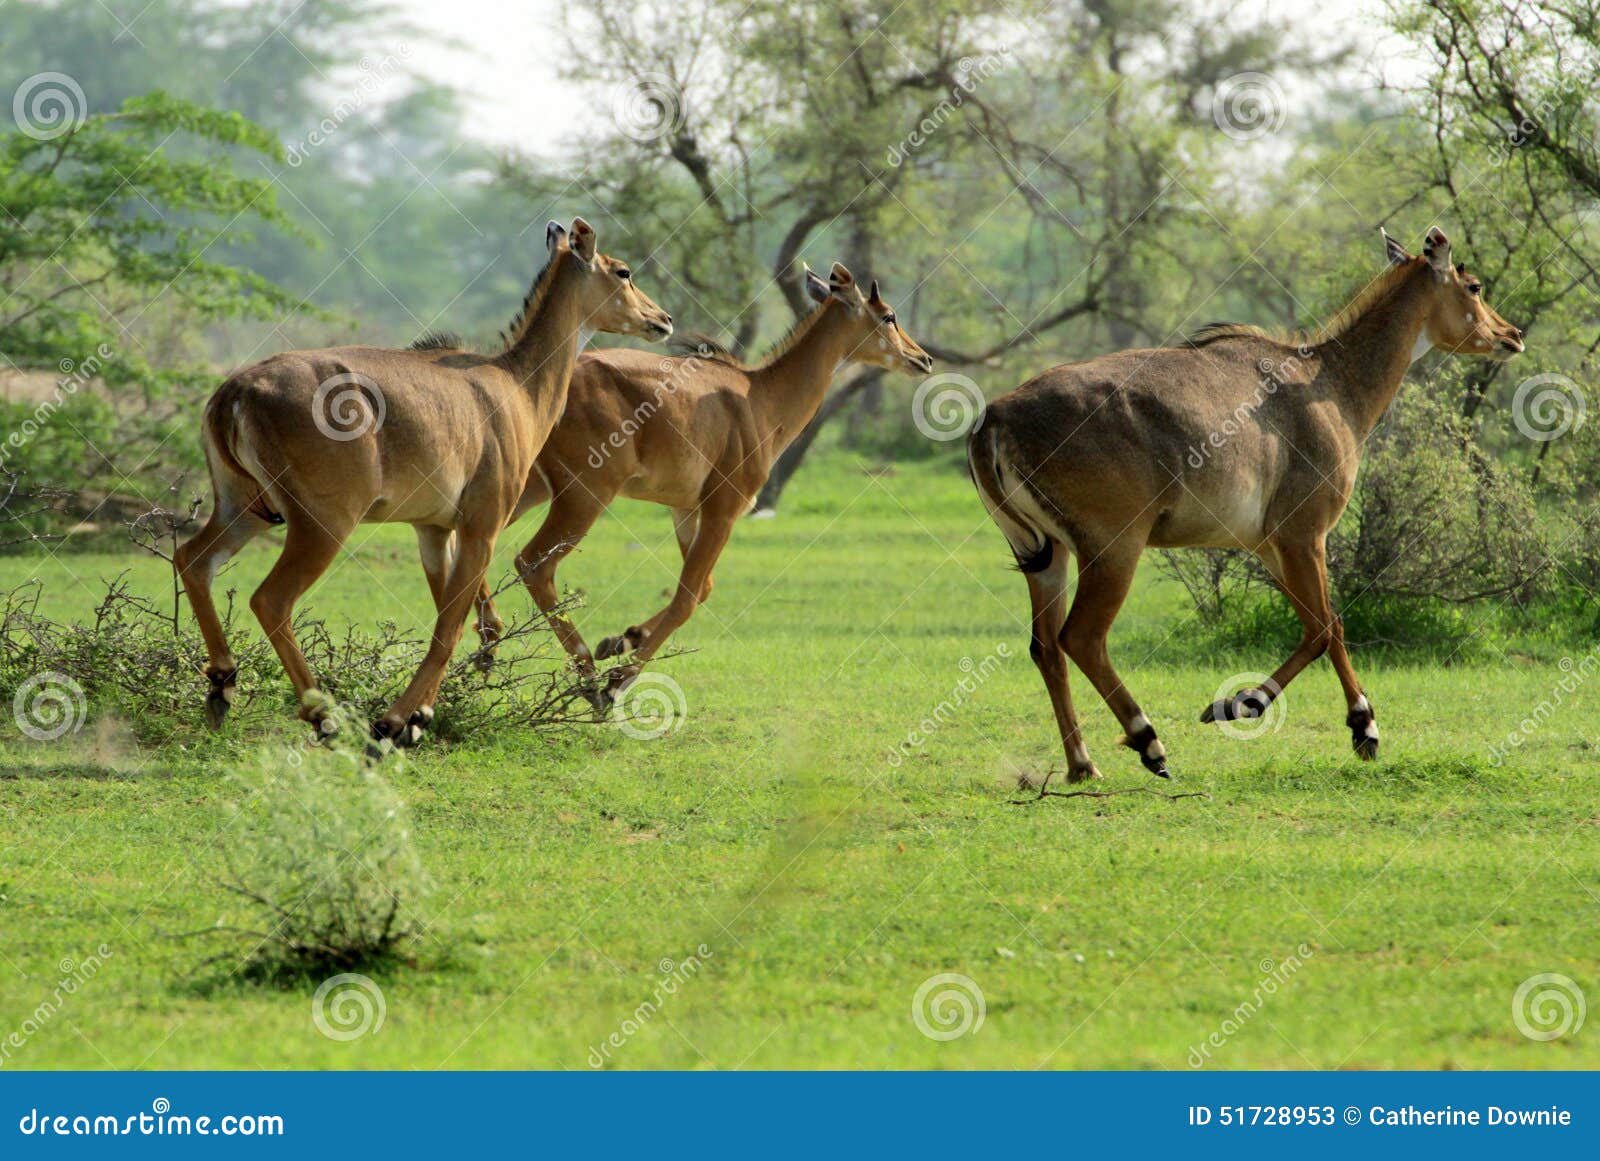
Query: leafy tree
[103,229]
[1014,179]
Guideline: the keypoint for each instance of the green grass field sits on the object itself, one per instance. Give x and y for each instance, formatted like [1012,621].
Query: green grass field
[826,882]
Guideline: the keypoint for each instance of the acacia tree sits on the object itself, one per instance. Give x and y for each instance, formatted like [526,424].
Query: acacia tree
[1006,171]
[102,233]
[1508,99]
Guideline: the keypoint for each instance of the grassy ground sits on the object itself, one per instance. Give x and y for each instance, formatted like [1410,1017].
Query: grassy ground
[1400,903]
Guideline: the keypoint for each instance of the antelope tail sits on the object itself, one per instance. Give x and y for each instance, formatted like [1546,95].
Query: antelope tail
[1006,496]
[233,482]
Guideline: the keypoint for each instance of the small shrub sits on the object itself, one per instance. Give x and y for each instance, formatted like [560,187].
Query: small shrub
[1434,516]
[319,853]
[142,660]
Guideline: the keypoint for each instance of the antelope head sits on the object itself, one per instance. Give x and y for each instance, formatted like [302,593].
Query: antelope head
[608,298]
[1459,322]
[876,336]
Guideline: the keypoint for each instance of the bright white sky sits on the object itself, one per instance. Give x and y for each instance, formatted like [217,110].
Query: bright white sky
[506,46]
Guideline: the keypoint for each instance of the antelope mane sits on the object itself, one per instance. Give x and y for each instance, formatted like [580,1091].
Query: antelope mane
[1368,297]
[700,346]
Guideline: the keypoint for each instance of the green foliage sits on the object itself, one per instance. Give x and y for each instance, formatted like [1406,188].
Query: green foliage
[828,885]
[319,848]
[102,223]
[1433,516]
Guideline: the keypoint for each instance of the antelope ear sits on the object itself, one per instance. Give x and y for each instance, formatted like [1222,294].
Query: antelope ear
[554,236]
[583,239]
[1436,249]
[840,278]
[817,289]
[1392,250]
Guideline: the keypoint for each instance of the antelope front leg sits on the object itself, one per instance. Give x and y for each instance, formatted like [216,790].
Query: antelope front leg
[413,710]
[647,639]
[1302,571]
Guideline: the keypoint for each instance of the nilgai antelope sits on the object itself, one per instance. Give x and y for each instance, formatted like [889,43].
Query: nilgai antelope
[698,433]
[432,436]
[1237,439]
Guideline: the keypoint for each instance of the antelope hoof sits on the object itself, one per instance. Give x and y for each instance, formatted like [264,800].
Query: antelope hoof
[625,643]
[1246,704]
[618,680]
[403,733]
[1150,750]
[1082,773]
[220,696]
[1363,731]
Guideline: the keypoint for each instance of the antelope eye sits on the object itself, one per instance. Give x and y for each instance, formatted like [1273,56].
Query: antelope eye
[889,319]
[1475,288]
[624,273]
